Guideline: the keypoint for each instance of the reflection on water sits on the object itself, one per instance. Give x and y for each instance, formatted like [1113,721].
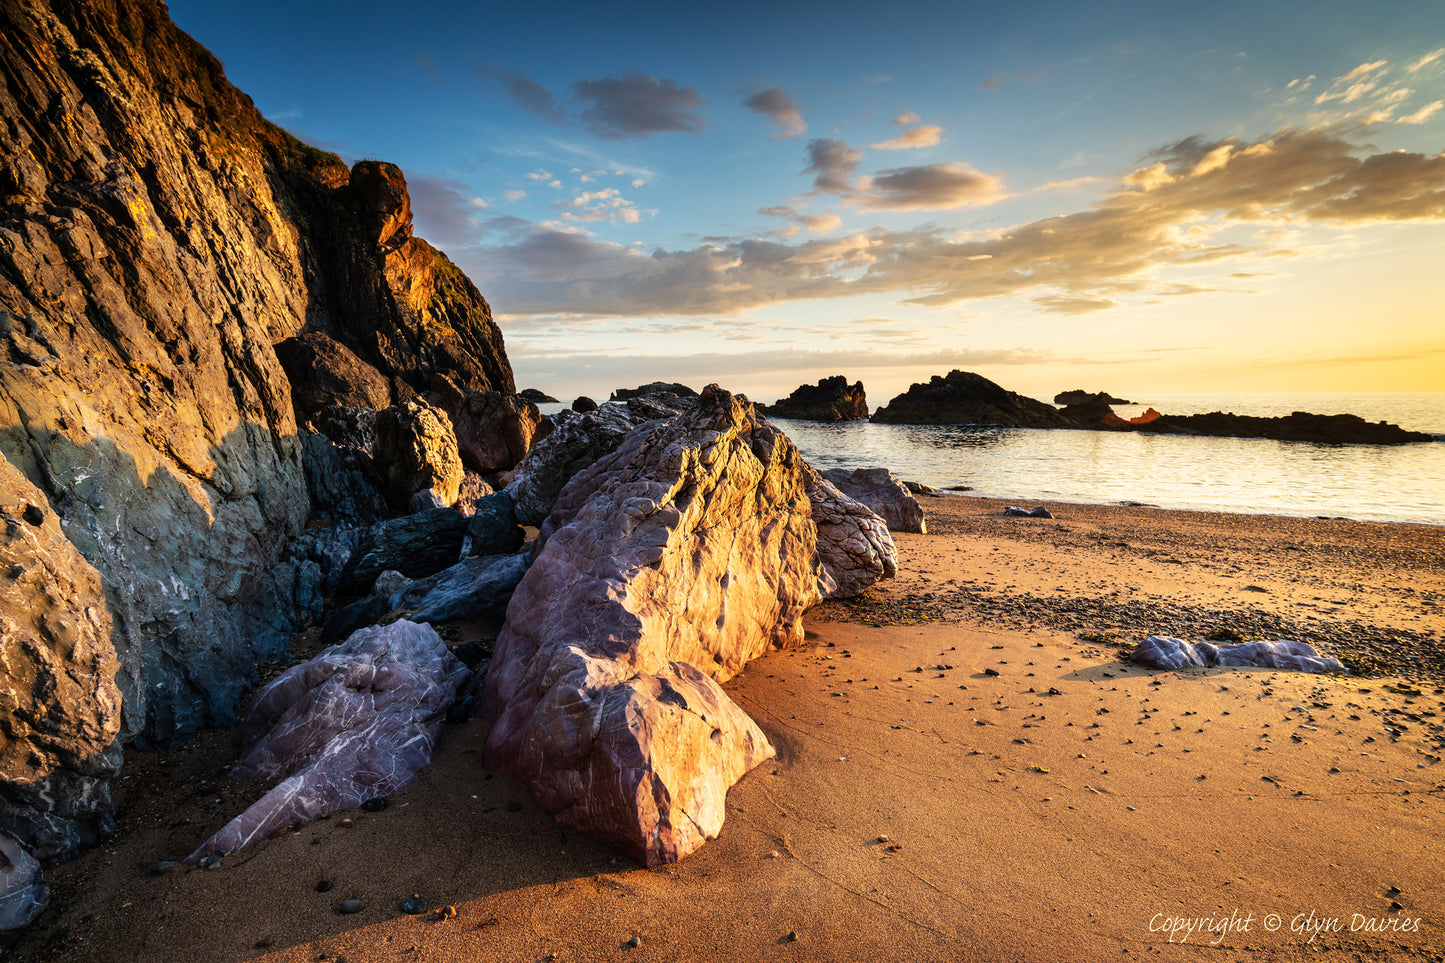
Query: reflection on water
[1377,483]
[1404,483]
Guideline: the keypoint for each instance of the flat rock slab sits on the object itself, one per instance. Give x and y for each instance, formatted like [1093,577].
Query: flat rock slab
[353,724]
[662,570]
[1167,652]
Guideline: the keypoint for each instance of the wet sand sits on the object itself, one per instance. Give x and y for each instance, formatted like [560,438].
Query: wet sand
[966,770]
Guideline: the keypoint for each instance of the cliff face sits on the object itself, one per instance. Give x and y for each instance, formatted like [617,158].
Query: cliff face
[158,239]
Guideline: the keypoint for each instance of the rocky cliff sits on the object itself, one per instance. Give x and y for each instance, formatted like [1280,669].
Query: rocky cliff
[158,240]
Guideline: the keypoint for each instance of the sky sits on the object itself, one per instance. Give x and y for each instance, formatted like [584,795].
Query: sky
[1132,197]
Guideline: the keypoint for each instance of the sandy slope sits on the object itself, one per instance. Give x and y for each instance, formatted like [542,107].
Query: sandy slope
[1068,808]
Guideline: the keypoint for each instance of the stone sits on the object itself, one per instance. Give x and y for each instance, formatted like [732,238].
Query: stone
[1013,511]
[1167,652]
[472,588]
[493,430]
[885,495]
[492,529]
[351,906]
[416,450]
[831,399]
[388,583]
[357,615]
[355,723]
[583,404]
[415,545]
[60,708]
[663,568]
[324,372]
[537,397]
[854,547]
[965,398]
[575,443]
[23,891]
[473,490]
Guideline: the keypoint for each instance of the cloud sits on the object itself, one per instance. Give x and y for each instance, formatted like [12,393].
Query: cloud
[782,110]
[1352,86]
[1426,60]
[824,223]
[906,118]
[1073,305]
[606,204]
[525,92]
[934,187]
[445,211]
[637,105]
[834,162]
[1423,114]
[923,136]
[1116,247]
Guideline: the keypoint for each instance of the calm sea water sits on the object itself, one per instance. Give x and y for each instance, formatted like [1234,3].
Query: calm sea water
[1403,483]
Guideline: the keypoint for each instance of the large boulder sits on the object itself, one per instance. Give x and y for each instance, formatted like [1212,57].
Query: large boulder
[885,495]
[576,441]
[965,398]
[662,570]
[60,709]
[831,399]
[473,588]
[23,892]
[353,724]
[416,452]
[1167,652]
[493,429]
[415,545]
[325,372]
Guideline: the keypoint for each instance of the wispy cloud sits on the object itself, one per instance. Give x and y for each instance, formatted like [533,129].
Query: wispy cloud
[783,111]
[524,91]
[925,135]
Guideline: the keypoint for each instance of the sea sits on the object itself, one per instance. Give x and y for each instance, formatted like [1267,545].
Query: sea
[1380,483]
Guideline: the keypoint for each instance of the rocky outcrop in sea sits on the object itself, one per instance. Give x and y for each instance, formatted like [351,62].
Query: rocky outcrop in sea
[965,398]
[831,399]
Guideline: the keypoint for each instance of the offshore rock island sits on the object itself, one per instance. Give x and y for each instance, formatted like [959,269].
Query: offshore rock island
[965,398]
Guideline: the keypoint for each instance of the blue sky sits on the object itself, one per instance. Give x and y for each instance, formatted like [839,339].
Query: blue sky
[1124,196]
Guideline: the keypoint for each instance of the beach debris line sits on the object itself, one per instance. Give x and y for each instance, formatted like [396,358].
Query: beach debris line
[662,570]
[353,724]
[1167,652]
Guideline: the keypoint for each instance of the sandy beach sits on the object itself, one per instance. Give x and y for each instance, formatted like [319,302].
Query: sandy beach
[966,770]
